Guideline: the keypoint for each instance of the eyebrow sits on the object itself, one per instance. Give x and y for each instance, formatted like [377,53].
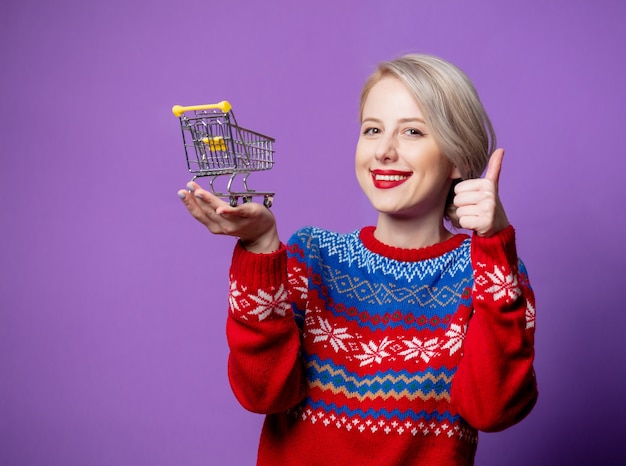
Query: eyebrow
[401,120]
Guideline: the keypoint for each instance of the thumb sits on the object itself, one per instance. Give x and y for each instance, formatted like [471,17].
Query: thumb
[245,210]
[494,166]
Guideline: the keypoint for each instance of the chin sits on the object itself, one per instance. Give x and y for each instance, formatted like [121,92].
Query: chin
[391,210]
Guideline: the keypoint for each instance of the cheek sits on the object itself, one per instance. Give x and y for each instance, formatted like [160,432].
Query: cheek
[362,173]
[360,157]
[361,168]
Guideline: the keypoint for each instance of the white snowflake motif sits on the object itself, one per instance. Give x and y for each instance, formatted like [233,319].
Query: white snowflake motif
[503,285]
[530,316]
[268,304]
[233,296]
[299,282]
[455,334]
[326,332]
[417,348]
[373,352]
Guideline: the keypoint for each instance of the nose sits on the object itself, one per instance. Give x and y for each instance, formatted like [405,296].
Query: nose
[386,149]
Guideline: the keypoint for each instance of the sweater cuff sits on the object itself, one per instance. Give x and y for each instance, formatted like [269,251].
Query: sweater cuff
[259,270]
[499,248]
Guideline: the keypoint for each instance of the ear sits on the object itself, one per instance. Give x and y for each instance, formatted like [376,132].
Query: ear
[455,173]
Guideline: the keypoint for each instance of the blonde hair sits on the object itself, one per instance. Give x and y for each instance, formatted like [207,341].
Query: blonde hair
[452,109]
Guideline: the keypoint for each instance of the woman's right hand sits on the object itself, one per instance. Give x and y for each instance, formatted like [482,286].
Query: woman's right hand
[253,223]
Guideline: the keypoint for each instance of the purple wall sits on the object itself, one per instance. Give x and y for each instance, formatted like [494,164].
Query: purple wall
[113,300]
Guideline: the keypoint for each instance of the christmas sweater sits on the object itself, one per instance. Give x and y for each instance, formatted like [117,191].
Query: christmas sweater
[364,354]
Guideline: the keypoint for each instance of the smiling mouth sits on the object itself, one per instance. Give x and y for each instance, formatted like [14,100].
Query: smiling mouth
[389,180]
[389,177]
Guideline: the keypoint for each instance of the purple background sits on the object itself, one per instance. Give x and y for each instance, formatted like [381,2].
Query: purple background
[113,300]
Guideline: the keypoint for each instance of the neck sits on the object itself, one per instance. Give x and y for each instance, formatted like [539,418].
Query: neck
[410,233]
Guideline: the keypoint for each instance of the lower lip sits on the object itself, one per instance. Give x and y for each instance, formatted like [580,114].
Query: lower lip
[384,184]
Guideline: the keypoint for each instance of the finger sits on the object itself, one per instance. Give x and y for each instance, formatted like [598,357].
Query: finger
[472,197]
[192,186]
[468,222]
[207,199]
[245,210]
[200,203]
[473,184]
[227,210]
[494,166]
[191,204]
[475,210]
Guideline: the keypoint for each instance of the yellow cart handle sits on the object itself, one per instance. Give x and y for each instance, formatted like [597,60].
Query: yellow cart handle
[216,143]
[224,106]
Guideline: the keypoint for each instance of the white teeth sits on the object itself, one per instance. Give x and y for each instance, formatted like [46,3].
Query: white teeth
[390,177]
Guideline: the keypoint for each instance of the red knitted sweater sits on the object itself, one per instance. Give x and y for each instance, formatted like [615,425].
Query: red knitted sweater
[364,354]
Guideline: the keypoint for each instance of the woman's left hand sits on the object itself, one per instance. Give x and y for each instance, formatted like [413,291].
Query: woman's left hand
[478,205]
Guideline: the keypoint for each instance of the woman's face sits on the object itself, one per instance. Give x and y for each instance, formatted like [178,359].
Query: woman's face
[398,163]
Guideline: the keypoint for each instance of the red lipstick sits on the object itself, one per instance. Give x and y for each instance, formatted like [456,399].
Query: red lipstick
[386,179]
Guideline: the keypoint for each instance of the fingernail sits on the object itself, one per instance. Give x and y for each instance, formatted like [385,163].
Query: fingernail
[190,187]
[181,194]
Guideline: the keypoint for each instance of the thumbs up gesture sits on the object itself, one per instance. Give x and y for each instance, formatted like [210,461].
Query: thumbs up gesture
[478,205]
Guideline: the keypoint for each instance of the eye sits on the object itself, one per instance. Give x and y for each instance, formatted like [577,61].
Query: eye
[371,131]
[414,132]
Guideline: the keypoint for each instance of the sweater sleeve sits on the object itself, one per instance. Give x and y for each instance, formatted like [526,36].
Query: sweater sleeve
[264,366]
[494,386]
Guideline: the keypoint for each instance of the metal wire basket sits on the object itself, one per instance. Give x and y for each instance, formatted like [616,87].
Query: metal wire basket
[215,145]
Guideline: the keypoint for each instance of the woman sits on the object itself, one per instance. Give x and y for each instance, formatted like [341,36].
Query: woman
[393,344]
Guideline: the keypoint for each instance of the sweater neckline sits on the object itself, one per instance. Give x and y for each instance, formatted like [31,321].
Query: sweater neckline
[408,255]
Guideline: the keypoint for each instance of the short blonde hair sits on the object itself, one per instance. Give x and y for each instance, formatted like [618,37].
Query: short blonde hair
[452,109]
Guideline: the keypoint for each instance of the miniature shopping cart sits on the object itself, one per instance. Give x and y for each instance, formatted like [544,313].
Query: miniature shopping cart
[215,145]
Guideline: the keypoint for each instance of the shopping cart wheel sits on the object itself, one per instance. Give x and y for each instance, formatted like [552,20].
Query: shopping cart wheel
[233,201]
[268,201]
[246,199]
